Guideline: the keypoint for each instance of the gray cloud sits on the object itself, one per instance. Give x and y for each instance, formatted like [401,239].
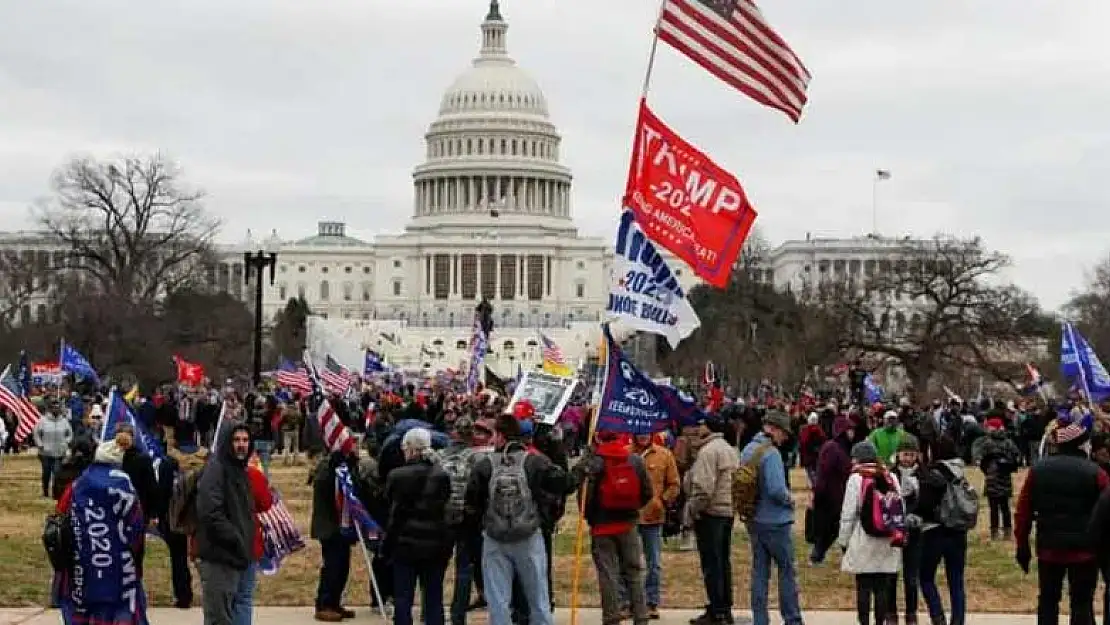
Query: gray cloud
[990,118]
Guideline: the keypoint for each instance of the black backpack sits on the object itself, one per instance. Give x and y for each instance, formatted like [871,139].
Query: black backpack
[58,540]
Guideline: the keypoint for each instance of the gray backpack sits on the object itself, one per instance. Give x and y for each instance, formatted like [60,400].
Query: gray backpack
[959,507]
[511,514]
[456,464]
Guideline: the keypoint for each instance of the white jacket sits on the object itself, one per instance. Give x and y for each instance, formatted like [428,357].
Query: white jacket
[863,553]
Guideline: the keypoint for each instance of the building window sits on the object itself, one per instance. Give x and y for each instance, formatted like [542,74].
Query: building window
[396,287]
[581,264]
[535,277]
[366,269]
[508,276]
[323,269]
[580,290]
[301,290]
[366,291]
[489,276]
[441,272]
[300,269]
[460,344]
[283,268]
[396,263]
[281,292]
[346,270]
[325,290]
[348,291]
[469,276]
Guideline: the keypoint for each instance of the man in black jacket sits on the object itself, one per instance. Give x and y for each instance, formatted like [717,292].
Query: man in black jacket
[140,468]
[225,524]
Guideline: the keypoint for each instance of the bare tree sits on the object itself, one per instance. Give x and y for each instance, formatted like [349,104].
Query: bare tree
[937,307]
[130,225]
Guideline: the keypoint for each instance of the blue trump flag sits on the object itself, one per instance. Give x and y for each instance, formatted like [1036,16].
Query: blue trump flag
[23,376]
[1080,364]
[682,406]
[354,514]
[72,361]
[119,412]
[372,363]
[630,401]
[873,391]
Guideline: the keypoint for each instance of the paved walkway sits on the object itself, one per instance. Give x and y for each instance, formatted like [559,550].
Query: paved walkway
[303,616]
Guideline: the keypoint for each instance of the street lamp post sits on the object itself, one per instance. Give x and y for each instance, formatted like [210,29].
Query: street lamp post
[255,263]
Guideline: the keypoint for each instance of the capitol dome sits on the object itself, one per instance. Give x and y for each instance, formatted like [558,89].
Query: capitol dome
[492,153]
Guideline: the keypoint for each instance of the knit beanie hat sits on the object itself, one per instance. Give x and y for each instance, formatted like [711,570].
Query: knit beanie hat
[908,443]
[864,451]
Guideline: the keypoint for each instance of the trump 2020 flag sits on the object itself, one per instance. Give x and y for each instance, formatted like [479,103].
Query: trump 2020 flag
[643,291]
[630,401]
[1080,363]
[71,361]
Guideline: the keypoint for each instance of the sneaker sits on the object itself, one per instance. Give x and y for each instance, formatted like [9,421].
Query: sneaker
[328,616]
[653,612]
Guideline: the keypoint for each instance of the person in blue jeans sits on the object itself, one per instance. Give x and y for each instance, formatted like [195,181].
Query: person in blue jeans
[940,543]
[771,529]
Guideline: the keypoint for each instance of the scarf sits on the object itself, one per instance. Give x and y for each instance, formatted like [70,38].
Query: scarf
[104,587]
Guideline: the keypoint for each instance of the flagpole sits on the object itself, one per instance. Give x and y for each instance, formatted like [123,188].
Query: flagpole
[875,205]
[107,417]
[654,47]
[580,530]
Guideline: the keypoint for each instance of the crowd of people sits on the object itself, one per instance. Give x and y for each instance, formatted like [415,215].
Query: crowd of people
[469,483]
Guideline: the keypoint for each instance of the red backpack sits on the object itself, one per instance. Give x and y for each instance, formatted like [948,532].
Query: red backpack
[619,488]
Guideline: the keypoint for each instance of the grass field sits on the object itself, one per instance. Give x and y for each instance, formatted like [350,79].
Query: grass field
[994,582]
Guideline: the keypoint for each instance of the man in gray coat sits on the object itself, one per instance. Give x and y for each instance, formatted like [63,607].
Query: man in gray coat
[52,434]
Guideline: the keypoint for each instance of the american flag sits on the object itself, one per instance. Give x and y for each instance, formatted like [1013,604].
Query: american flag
[280,536]
[552,353]
[336,435]
[293,378]
[15,402]
[336,377]
[732,41]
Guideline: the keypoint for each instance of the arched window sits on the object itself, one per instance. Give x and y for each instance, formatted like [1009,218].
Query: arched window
[325,290]
[508,346]
[460,344]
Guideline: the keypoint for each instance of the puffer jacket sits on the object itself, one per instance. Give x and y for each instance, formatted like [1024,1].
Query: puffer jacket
[998,457]
[417,529]
[53,435]
[663,471]
[865,553]
[708,483]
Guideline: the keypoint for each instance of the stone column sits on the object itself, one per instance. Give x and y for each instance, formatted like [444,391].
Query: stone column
[470,198]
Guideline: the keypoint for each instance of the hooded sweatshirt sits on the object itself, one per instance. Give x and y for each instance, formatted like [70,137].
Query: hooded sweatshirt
[226,525]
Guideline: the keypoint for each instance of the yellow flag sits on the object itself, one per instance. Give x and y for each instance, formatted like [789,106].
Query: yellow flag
[555,368]
[132,395]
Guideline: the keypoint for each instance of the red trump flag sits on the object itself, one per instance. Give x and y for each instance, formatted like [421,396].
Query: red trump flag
[685,202]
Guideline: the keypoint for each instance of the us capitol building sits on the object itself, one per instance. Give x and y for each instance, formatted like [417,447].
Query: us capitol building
[491,220]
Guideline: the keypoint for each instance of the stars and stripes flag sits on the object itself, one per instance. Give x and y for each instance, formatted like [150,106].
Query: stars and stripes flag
[336,436]
[336,377]
[552,353]
[280,536]
[292,377]
[733,41]
[14,401]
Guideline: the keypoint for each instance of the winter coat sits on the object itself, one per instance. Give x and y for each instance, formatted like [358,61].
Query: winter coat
[997,457]
[708,483]
[663,472]
[934,481]
[52,436]
[544,478]
[325,522]
[810,440]
[886,441]
[865,553]
[226,523]
[417,530]
[773,505]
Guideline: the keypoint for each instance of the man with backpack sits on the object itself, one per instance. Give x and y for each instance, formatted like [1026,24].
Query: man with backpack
[458,461]
[507,486]
[771,520]
[618,487]
[708,486]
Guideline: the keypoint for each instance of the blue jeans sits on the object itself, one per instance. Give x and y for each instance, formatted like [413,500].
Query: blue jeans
[50,467]
[652,538]
[773,543]
[951,546]
[528,560]
[243,604]
[265,449]
[405,576]
[714,536]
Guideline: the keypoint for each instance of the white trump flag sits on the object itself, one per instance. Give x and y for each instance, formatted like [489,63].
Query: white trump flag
[644,293]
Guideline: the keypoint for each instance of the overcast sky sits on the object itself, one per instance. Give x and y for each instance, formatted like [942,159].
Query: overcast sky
[991,115]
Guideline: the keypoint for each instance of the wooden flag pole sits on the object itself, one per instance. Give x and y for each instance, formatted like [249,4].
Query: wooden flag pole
[580,529]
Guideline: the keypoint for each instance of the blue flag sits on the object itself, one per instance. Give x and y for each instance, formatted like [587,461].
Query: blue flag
[119,412]
[873,391]
[682,406]
[23,376]
[354,513]
[72,361]
[630,401]
[1080,364]
[373,363]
